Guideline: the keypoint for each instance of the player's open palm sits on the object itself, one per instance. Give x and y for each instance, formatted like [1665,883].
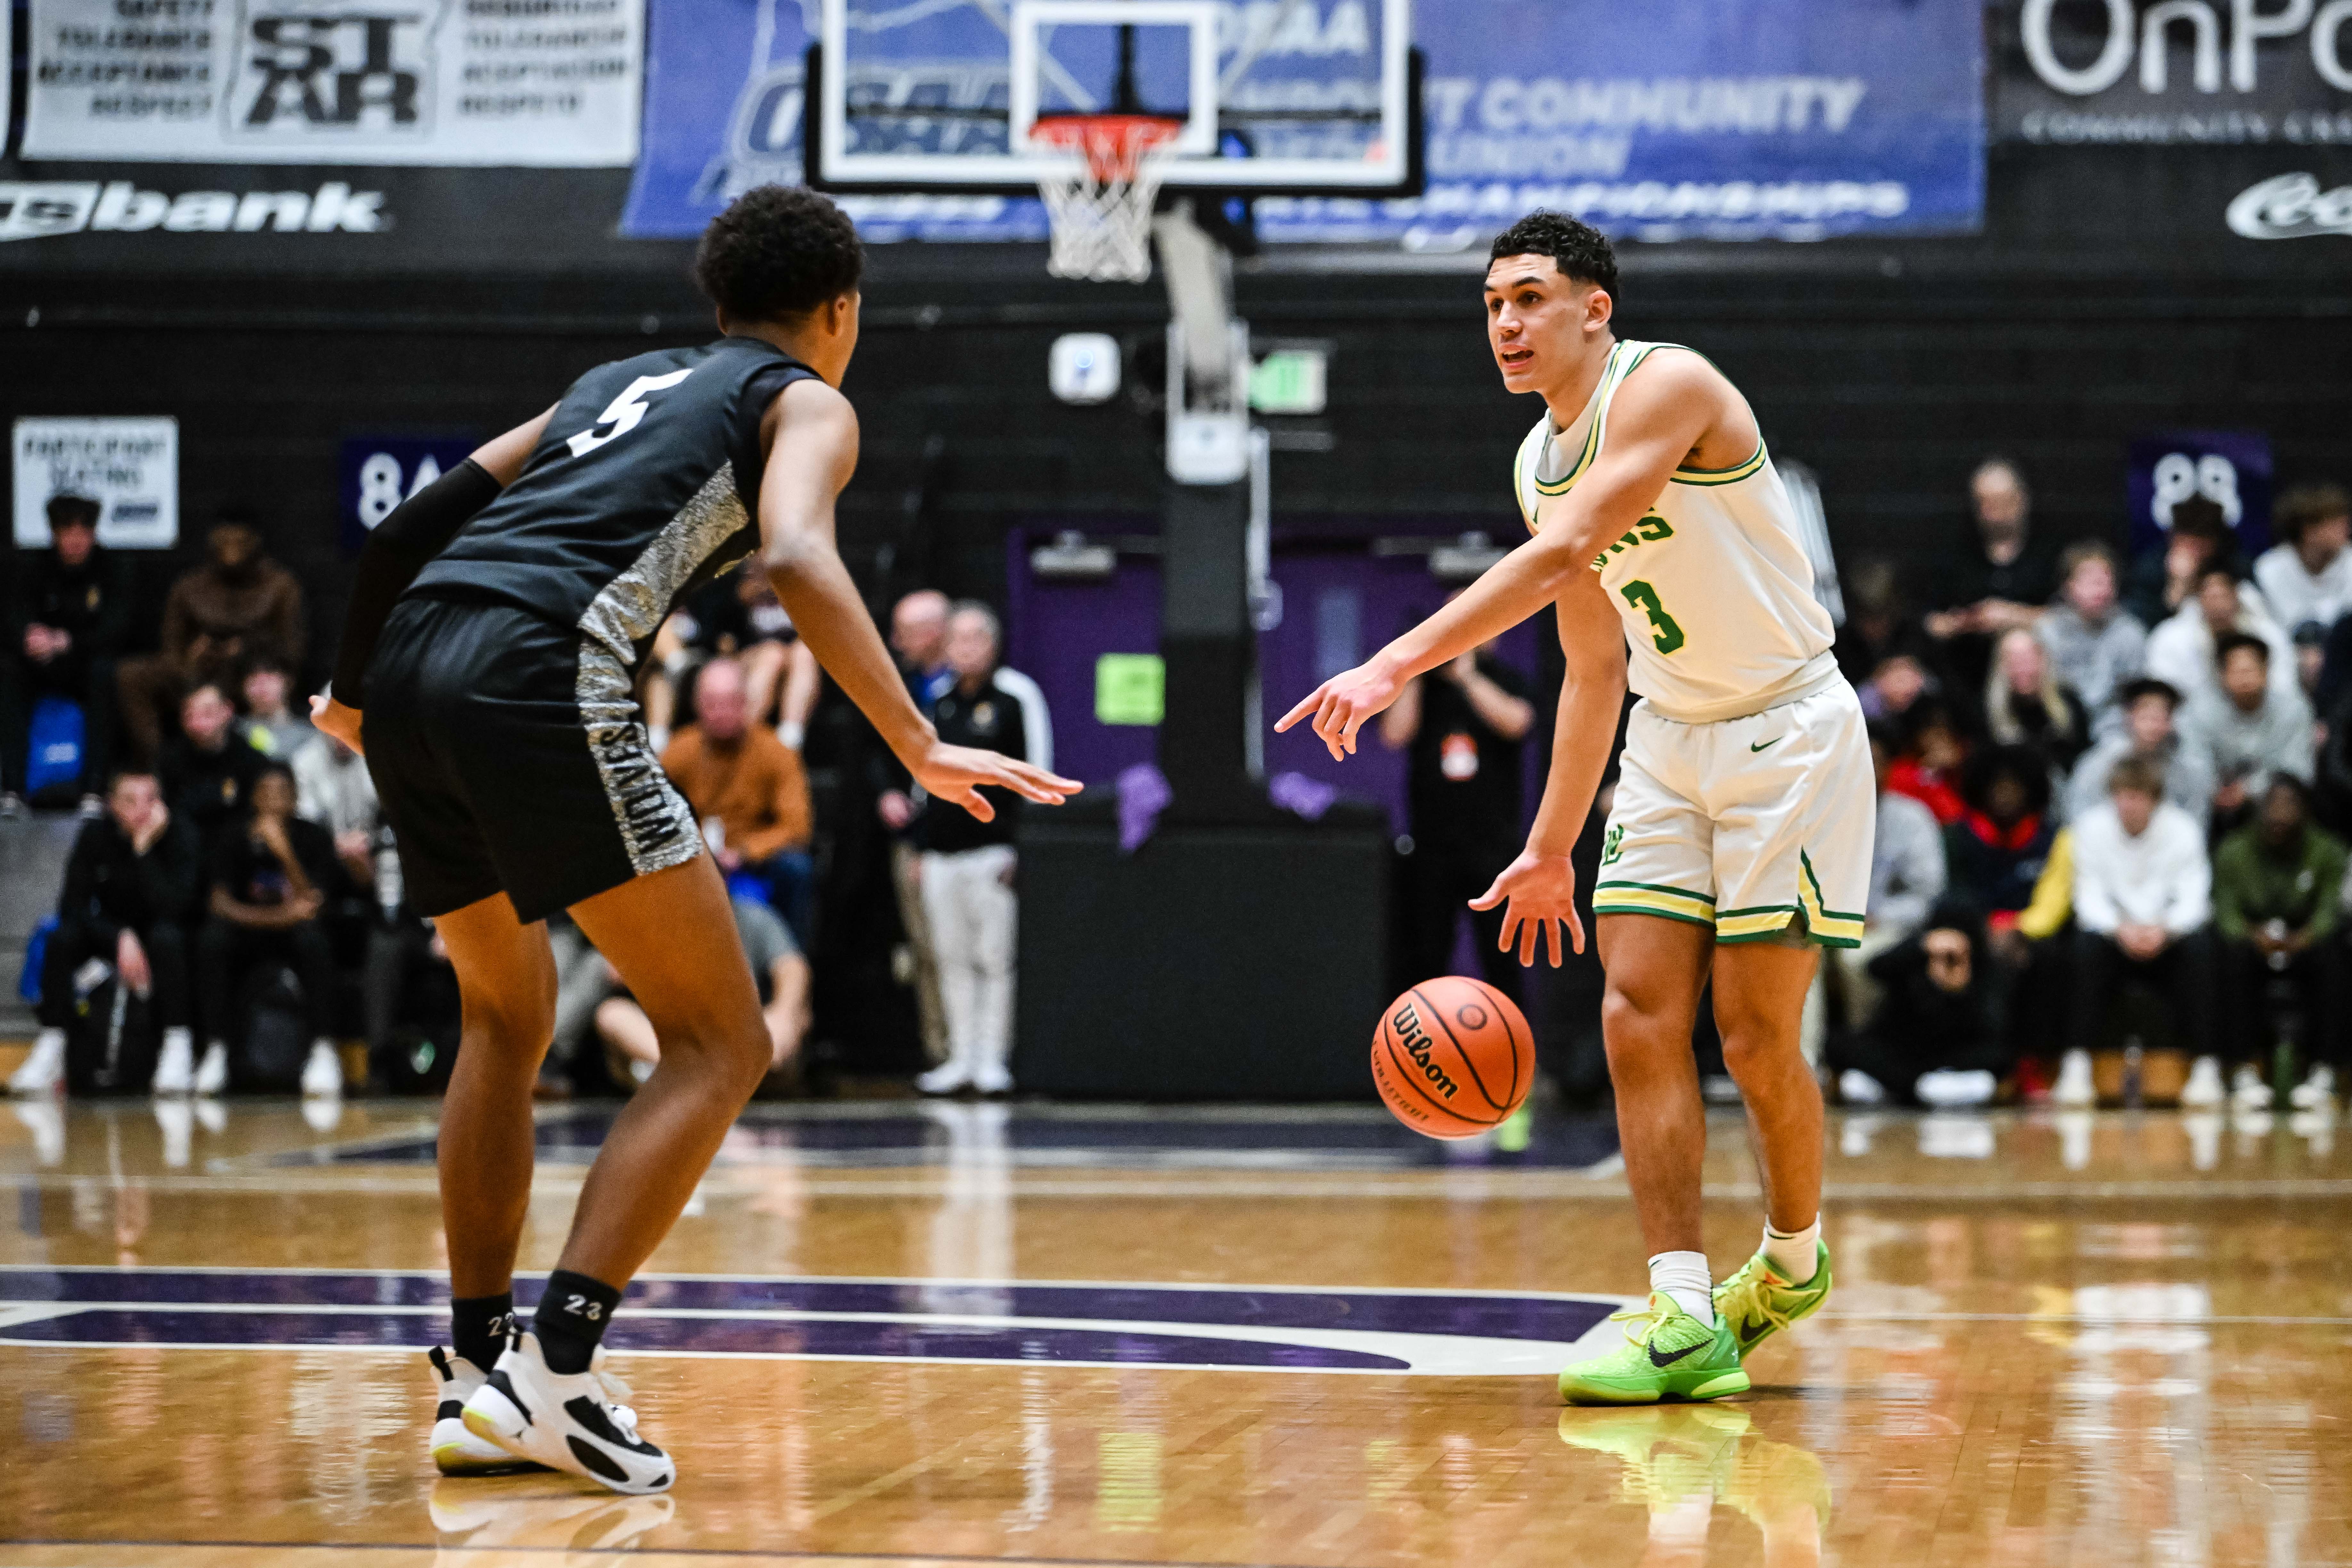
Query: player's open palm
[1345,704]
[1542,892]
[956,774]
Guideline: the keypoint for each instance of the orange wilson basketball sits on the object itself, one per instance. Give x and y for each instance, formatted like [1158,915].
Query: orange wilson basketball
[1453,1057]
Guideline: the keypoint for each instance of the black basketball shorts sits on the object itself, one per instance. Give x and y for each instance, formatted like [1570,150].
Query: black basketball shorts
[509,754]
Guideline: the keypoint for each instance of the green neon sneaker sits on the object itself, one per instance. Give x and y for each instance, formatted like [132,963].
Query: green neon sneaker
[1668,1355]
[1757,1303]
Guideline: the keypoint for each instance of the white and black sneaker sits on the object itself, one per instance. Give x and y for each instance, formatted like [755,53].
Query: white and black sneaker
[572,1422]
[456,1451]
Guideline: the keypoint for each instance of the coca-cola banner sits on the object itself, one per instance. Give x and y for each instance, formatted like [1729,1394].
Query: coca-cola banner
[2172,72]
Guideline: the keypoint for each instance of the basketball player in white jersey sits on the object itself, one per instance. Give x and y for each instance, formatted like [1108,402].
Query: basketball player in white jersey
[1740,837]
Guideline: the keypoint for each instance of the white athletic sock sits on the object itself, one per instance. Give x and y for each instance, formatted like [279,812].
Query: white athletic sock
[1684,1277]
[1796,1254]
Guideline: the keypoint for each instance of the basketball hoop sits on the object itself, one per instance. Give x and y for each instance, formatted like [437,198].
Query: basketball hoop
[1101,207]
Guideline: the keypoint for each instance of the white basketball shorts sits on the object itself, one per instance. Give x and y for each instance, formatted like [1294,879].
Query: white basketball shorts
[1744,825]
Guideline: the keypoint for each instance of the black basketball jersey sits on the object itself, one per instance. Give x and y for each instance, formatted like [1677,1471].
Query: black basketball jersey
[644,486]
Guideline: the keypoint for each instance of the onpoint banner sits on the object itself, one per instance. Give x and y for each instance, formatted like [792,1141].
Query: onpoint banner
[2172,72]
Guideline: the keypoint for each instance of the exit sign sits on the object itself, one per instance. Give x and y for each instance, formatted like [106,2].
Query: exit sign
[1289,381]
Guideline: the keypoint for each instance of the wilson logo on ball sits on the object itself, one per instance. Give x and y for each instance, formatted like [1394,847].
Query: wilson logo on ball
[1416,1043]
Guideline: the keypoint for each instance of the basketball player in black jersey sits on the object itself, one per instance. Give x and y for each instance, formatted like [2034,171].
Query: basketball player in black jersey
[498,624]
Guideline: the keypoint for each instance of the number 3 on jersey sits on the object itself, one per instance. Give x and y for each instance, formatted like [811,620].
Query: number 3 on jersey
[1664,631]
[624,413]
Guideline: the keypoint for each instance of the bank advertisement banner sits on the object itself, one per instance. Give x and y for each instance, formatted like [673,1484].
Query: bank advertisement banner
[1701,119]
[2172,72]
[541,83]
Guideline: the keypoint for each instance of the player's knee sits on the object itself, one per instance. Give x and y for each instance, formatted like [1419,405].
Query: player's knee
[1754,1045]
[736,1050]
[1629,1018]
[516,1017]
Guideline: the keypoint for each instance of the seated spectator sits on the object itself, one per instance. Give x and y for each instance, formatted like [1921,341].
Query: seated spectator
[777,968]
[1906,857]
[2143,898]
[2150,731]
[1994,853]
[2030,964]
[270,876]
[1936,1036]
[395,946]
[2000,576]
[2307,575]
[2277,899]
[2026,705]
[2183,650]
[238,606]
[967,869]
[2310,661]
[1899,683]
[270,727]
[2094,644]
[129,884]
[2160,583]
[207,767]
[1928,769]
[737,617]
[1879,623]
[1906,877]
[780,673]
[67,611]
[749,790]
[333,788]
[2249,730]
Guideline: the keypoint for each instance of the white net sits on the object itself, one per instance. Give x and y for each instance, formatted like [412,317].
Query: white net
[1101,208]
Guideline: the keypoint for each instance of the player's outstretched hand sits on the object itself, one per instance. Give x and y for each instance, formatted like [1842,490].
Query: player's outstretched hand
[955,773]
[1345,704]
[1541,889]
[342,723]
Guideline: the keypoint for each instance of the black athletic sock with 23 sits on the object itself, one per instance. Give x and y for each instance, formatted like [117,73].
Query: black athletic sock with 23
[478,1327]
[570,1321]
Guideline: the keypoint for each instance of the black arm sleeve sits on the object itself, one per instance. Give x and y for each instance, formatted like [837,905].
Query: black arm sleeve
[418,528]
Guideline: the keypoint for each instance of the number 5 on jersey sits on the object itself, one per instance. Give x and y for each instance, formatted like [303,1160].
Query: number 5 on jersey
[1663,633]
[625,412]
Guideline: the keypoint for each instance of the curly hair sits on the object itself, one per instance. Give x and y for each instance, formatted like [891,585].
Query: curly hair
[1581,252]
[778,252]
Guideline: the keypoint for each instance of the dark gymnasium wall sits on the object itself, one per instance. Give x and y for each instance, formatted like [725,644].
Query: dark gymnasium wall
[2105,299]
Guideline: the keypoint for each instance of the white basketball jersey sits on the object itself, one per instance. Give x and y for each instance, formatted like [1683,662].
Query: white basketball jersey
[1713,584]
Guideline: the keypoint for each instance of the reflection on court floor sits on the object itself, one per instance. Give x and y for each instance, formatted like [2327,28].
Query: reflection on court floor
[898,1134]
[974,1334]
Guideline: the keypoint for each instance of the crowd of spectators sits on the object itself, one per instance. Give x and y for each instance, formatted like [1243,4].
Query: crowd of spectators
[2108,864]
[234,876]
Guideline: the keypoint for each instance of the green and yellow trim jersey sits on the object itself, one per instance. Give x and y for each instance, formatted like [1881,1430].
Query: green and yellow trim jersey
[1713,586]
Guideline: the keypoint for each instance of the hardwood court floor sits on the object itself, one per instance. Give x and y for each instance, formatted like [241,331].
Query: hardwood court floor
[889,1335]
